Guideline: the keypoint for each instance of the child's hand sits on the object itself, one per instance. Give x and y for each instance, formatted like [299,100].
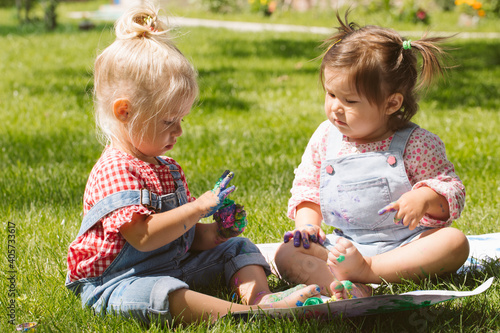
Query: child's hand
[305,234]
[410,208]
[215,198]
[231,219]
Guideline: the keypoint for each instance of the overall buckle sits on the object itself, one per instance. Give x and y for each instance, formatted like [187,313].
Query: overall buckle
[147,201]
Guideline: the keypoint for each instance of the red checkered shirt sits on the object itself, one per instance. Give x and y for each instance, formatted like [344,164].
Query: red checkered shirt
[90,254]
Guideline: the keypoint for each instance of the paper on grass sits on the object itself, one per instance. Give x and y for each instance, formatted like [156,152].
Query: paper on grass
[482,247]
[370,305]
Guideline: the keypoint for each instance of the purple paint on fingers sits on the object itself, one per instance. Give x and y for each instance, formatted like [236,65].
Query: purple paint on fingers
[288,235]
[305,240]
[313,238]
[388,209]
[296,239]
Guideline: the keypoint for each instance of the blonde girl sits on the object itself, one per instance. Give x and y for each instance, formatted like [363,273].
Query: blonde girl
[384,183]
[141,246]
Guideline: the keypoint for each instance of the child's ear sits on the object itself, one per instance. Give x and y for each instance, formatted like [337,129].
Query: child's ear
[394,103]
[121,109]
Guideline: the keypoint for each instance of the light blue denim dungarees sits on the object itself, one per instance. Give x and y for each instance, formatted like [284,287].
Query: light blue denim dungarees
[355,187]
[137,284]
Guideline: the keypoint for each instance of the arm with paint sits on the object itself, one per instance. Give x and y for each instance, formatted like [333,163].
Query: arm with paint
[148,233]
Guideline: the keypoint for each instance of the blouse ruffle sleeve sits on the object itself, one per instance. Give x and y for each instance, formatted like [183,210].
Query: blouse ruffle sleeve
[119,217]
[427,165]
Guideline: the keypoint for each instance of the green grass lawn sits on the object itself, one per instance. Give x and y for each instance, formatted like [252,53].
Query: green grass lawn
[260,102]
[365,14]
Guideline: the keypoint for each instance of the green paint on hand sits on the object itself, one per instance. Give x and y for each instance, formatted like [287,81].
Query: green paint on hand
[313,301]
[227,202]
[347,284]
[341,258]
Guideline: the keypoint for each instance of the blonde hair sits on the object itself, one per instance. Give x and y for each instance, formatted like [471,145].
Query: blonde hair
[379,62]
[145,67]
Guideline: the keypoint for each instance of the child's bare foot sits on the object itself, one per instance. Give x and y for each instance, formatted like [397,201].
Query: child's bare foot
[289,298]
[347,290]
[346,263]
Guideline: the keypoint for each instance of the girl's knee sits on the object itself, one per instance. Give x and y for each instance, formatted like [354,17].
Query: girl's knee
[456,243]
[284,254]
[453,239]
[288,257]
[459,243]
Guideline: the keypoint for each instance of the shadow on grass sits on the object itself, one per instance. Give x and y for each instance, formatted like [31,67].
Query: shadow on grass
[220,91]
[474,82]
[270,48]
[45,168]
[231,88]
[77,82]
[36,27]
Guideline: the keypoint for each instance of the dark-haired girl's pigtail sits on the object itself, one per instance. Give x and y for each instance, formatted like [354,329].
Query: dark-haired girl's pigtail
[432,57]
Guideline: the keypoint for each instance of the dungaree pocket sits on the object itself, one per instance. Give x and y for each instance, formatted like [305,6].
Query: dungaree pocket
[361,201]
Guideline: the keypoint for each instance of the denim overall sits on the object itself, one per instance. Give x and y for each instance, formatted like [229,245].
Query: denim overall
[355,187]
[137,284]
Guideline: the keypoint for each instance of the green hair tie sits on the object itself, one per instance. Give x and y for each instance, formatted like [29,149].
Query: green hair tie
[407,44]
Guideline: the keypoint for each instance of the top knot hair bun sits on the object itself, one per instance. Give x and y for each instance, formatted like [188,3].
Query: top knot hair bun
[140,21]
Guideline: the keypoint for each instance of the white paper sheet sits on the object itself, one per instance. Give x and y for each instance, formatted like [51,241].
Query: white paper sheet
[369,305]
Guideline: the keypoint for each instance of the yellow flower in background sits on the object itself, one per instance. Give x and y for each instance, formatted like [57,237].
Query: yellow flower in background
[264,6]
[471,7]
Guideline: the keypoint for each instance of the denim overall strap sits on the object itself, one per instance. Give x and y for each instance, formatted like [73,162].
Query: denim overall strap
[116,201]
[176,174]
[335,138]
[401,137]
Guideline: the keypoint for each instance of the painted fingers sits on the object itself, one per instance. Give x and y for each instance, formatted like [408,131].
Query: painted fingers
[220,192]
[309,233]
[391,208]
[403,215]
[221,188]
